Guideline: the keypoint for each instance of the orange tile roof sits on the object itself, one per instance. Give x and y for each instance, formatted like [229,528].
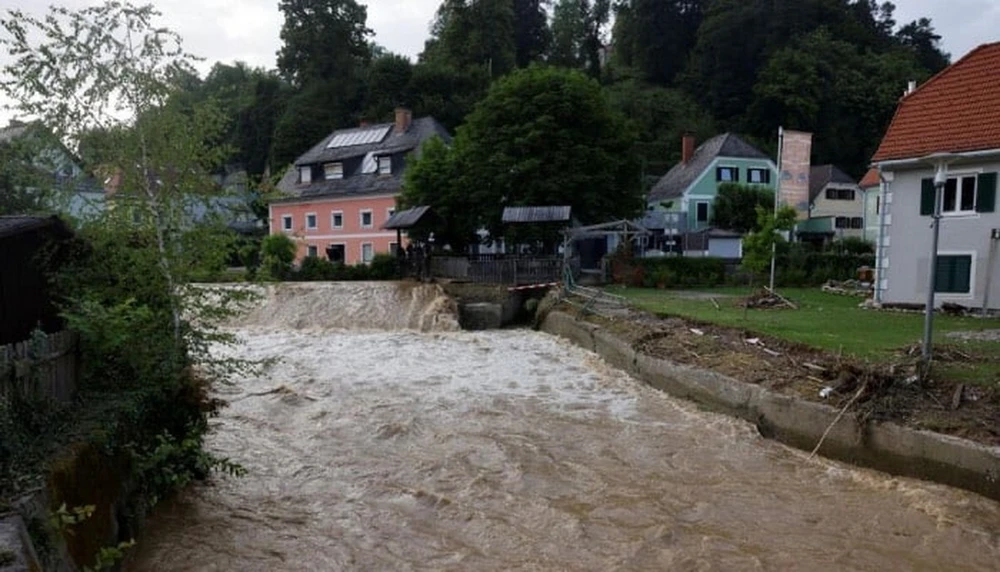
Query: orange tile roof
[871,179]
[955,111]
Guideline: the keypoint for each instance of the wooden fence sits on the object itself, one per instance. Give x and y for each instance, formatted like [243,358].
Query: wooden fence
[45,367]
[510,271]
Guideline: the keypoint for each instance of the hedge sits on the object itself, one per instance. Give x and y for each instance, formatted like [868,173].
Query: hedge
[314,268]
[795,268]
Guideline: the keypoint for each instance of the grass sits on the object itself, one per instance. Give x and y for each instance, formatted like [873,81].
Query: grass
[823,320]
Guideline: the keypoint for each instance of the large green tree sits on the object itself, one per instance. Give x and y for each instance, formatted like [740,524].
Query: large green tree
[387,85]
[655,36]
[545,136]
[578,28]
[532,36]
[660,118]
[323,40]
[473,33]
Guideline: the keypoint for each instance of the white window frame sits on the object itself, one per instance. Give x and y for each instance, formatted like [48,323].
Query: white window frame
[371,247]
[312,251]
[315,221]
[389,212]
[361,218]
[393,247]
[287,223]
[957,177]
[736,174]
[305,174]
[764,175]
[386,160]
[333,220]
[972,275]
[333,171]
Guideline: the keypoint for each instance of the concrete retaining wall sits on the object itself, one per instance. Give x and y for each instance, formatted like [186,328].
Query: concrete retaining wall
[796,422]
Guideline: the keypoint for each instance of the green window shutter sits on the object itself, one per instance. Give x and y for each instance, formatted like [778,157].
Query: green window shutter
[927,196]
[953,274]
[987,199]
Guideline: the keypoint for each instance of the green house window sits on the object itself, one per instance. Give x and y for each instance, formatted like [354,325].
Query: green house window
[953,274]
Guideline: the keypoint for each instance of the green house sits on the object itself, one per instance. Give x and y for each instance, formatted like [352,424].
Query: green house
[684,197]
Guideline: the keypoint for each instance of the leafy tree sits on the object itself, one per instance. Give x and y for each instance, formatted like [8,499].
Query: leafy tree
[277,253]
[110,69]
[311,114]
[446,93]
[660,118]
[758,246]
[919,36]
[547,136]
[323,40]
[655,36]
[435,179]
[736,207]
[532,36]
[569,30]
[388,84]
[26,186]
[578,34]
[473,33]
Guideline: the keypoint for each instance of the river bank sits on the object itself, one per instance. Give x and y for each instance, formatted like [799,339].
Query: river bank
[707,365]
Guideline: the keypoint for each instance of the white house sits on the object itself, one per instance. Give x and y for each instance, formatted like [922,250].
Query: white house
[956,113]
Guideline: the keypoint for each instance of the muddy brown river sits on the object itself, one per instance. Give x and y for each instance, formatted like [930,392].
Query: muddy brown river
[513,450]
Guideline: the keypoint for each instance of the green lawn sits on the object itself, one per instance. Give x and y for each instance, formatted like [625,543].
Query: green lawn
[823,320]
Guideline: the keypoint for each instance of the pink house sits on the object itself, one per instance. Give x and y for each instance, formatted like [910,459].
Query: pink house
[341,192]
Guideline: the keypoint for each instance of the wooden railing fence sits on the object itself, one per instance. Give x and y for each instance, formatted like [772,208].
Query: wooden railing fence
[44,367]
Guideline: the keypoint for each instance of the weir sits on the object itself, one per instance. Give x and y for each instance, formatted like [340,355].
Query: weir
[386,439]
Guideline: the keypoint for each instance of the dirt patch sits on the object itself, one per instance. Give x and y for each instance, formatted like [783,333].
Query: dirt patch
[889,391]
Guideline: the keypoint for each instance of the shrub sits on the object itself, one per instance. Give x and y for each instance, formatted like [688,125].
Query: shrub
[384,267]
[277,253]
[316,268]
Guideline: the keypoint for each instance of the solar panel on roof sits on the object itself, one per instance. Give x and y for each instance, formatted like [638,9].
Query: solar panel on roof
[369,165]
[358,137]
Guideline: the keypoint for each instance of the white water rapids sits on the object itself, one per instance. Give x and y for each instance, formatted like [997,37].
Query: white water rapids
[384,448]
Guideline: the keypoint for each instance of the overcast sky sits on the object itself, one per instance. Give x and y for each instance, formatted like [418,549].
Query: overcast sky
[247,30]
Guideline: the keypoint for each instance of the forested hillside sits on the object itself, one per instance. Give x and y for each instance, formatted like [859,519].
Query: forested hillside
[832,67]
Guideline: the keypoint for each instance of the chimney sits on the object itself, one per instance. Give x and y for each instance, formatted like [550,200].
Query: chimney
[687,147]
[403,119]
[364,123]
[911,86]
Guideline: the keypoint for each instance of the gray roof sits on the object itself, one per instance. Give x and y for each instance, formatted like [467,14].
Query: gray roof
[678,179]
[357,183]
[406,219]
[536,214]
[822,176]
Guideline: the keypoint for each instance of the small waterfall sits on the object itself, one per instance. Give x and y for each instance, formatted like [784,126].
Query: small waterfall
[353,306]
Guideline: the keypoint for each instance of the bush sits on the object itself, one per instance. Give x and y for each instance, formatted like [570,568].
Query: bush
[851,245]
[316,268]
[277,253]
[384,267]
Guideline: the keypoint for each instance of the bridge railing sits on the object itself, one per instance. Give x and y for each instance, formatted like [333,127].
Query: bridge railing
[510,271]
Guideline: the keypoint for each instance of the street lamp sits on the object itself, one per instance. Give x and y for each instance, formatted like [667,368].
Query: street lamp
[940,162]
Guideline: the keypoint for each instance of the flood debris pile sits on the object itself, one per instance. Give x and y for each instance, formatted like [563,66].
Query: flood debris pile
[888,391]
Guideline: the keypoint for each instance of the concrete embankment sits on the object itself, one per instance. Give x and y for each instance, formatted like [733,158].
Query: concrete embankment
[884,446]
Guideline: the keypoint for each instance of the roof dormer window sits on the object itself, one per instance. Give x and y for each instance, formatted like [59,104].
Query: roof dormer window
[333,171]
[385,165]
[305,175]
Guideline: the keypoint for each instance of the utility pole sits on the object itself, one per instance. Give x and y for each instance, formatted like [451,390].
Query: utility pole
[777,195]
[940,180]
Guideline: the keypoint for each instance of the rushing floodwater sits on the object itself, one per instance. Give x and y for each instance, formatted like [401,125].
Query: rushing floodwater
[397,450]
